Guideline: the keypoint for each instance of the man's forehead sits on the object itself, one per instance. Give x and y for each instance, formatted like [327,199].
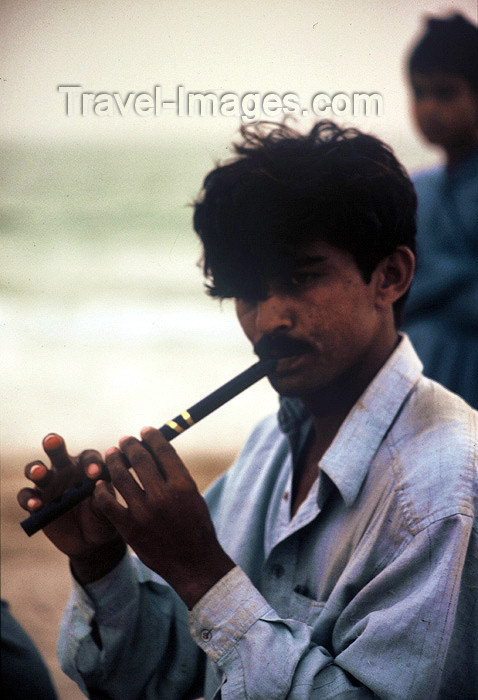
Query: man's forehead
[437,79]
[316,251]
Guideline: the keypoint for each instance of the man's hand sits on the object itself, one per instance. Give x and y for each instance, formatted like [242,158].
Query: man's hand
[83,533]
[166,520]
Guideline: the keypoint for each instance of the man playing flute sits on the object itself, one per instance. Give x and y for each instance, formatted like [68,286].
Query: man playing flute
[337,558]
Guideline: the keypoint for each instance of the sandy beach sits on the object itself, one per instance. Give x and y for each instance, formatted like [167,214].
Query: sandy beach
[35,579]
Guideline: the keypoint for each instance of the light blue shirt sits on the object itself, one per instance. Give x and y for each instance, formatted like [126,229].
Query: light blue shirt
[369,591]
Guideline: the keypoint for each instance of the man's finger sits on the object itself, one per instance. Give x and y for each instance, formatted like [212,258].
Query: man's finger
[37,472]
[121,478]
[29,499]
[92,463]
[171,465]
[106,503]
[55,447]
[144,462]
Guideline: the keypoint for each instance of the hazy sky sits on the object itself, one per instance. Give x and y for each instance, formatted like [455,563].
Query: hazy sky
[281,47]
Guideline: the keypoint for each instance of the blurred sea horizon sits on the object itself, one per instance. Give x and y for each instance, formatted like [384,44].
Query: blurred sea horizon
[105,323]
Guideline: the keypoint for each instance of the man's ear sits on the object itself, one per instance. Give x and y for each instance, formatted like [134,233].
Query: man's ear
[393,276]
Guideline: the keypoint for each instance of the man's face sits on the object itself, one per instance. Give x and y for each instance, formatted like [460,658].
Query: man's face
[328,315]
[445,109]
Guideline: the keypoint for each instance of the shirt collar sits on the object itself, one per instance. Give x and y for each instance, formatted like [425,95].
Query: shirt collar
[347,460]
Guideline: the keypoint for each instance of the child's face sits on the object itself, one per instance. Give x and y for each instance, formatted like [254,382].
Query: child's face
[445,108]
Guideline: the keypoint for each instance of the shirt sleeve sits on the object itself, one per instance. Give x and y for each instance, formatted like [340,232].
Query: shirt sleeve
[390,640]
[142,648]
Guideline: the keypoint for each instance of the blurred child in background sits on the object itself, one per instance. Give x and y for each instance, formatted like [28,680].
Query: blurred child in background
[442,310]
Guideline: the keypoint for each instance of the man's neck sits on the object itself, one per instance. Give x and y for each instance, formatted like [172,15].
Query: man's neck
[307,468]
[328,409]
[330,406]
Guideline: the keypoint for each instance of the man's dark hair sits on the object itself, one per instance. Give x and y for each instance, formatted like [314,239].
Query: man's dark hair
[284,189]
[448,45]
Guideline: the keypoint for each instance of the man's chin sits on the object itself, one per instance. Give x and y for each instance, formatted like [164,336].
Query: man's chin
[291,384]
[291,365]
[299,377]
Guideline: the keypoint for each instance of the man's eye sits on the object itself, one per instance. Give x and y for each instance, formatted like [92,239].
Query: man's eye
[445,93]
[302,279]
[418,92]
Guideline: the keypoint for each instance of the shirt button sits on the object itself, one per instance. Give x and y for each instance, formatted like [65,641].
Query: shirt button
[206,635]
[285,496]
[278,570]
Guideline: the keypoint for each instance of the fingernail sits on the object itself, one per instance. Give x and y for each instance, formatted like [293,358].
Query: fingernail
[52,441]
[33,503]
[145,430]
[37,471]
[93,470]
[110,451]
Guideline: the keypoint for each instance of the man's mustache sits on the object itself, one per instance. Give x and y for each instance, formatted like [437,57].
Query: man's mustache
[279,345]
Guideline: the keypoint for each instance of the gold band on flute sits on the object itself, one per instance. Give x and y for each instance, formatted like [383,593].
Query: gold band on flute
[177,427]
[187,417]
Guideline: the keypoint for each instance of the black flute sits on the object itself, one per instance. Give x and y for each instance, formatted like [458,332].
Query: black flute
[71,497]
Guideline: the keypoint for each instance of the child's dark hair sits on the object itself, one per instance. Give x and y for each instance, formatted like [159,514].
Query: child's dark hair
[285,189]
[448,45]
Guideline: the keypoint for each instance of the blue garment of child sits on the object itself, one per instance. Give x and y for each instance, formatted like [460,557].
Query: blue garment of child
[441,315]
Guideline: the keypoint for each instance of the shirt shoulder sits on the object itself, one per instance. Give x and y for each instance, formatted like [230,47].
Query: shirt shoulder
[433,450]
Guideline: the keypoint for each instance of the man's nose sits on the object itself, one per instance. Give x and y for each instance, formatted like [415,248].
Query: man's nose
[274,314]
